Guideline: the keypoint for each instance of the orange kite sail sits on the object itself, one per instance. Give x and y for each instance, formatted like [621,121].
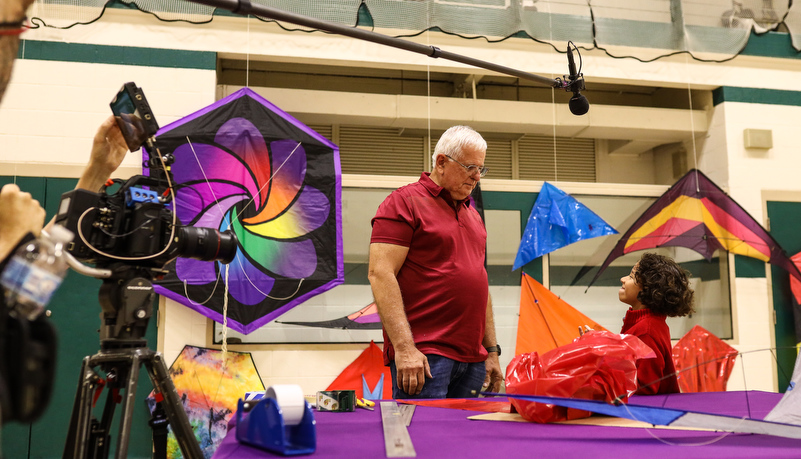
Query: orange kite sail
[546,321]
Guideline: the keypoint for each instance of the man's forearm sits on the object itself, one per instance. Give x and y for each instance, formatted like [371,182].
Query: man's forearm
[389,301]
[489,326]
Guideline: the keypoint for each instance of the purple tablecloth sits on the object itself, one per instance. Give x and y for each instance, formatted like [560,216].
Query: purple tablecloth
[443,433]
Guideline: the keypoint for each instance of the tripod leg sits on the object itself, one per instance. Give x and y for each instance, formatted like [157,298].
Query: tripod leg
[173,407]
[126,418]
[78,433]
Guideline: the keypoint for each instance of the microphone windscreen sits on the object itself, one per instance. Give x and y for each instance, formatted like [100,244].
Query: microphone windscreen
[579,104]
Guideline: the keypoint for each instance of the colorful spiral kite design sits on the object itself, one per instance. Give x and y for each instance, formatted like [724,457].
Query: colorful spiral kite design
[258,190]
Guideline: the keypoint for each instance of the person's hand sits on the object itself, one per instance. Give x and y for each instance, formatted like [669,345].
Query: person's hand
[494,378]
[13,10]
[20,214]
[108,151]
[412,368]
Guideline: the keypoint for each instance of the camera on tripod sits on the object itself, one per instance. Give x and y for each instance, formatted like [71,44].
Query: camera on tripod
[130,233]
[135,224]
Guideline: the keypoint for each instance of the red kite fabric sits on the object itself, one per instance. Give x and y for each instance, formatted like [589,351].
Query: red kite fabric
[367,375]
[546,321]
[598,366]
[703,361]
[697,214]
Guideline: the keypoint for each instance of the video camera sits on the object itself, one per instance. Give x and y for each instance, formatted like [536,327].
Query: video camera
[135,225]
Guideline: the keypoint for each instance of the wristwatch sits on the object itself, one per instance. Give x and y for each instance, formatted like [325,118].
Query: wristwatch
[495,348]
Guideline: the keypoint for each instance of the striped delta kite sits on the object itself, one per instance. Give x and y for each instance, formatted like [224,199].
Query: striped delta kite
[696,214]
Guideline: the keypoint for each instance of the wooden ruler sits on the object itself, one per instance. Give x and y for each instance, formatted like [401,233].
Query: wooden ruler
[396,436]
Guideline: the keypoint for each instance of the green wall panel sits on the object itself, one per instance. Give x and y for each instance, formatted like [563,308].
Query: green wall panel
[785,219]
[76,316]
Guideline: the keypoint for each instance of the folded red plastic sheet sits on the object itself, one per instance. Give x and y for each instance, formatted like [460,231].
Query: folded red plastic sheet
[598,365]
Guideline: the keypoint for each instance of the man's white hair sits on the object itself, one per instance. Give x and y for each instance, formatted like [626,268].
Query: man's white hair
[455,140]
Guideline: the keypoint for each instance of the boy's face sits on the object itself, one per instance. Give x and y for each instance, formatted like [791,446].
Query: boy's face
[630,289]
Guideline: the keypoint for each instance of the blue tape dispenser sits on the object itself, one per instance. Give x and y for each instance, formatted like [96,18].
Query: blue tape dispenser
[282,422]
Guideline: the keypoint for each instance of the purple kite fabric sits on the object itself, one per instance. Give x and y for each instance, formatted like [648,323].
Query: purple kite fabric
[244,164]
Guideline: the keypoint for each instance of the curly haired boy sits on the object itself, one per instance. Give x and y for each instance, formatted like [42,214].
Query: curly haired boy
[656,288]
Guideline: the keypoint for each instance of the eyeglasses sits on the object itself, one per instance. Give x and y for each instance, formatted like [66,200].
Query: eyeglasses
[472,169]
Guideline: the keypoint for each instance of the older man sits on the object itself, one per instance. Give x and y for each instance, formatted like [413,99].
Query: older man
[427,274]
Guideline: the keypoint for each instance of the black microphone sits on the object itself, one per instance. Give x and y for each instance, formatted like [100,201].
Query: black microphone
[578,104]
[571,65]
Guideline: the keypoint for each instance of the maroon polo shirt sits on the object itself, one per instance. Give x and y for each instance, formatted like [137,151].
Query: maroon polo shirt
[443,280]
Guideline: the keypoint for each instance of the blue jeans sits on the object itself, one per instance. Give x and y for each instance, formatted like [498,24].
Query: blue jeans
[451,379]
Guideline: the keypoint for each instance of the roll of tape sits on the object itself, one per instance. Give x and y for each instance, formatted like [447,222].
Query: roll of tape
[290,400]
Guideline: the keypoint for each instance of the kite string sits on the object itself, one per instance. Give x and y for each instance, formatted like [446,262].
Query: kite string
[651,430]
[206,178]
[267,182]
[225,321]
[745,385]
[619,399]
[230,222]
[253,198]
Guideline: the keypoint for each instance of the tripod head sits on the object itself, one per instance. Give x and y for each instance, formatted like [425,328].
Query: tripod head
[126,299]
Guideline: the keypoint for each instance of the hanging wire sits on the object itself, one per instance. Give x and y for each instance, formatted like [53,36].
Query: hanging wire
[428,89]
[553,112]
[229,223]
[247,55]
[692,128]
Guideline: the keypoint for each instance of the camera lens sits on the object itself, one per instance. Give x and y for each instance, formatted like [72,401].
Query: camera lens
[206,244]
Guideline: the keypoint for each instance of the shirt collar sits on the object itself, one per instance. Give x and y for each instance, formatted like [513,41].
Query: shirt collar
[436,190]
[634,316]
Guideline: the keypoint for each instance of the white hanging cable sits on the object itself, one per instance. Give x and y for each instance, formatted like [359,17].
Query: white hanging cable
[692,124]
[553,108]
[428,83]
[247,53]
